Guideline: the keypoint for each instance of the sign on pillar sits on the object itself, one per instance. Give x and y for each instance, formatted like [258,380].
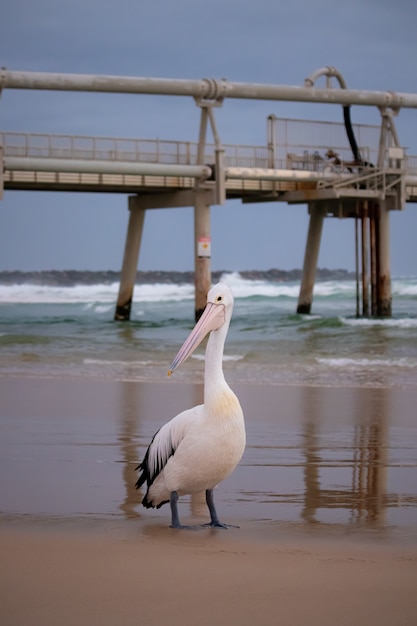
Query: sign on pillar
[204,248]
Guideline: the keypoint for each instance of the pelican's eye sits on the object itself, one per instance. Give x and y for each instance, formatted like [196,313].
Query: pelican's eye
[219,298]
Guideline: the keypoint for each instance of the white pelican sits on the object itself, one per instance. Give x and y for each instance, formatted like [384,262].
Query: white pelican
[198,448]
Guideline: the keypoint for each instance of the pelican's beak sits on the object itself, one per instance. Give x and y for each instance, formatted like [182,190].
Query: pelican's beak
[212,318]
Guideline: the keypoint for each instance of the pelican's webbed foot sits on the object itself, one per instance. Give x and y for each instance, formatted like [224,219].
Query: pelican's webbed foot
[219,525]
[214,520]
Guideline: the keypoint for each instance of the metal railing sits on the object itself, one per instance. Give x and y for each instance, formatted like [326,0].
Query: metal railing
[317,138]
[36,145]
[299,145]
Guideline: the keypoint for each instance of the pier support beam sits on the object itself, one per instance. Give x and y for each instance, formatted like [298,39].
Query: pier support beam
[384,297]
[381,297]
[373,259]
[202,243]
[365,260]
[310,259]
[130,258]
[202,232]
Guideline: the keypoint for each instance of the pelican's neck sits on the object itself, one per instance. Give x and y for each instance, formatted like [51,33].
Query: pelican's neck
[214,381]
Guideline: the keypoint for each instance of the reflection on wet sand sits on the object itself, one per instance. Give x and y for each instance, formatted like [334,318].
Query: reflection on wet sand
[133,412]
[365,458]
[339,465]
[129,423]
[315,456]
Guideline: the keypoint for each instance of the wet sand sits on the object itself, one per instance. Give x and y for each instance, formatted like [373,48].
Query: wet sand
[195,578]
[325,497]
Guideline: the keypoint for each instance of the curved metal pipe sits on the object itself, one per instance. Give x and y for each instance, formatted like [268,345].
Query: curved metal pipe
[332,72]
[329,71]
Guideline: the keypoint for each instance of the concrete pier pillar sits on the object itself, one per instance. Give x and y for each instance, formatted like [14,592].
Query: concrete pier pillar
[310,259]
[365,263]
[373,260]
[384,299]
[130,258]
[202,243]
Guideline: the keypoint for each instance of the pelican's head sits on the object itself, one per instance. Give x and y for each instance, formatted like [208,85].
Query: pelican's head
[221,294]
[217,314]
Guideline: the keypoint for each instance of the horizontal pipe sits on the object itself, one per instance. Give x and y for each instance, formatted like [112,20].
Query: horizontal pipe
[257,173]
[204,88]
[84,166]
[97,83]
[410,180]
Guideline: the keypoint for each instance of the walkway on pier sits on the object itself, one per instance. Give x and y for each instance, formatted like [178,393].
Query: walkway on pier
[45,162]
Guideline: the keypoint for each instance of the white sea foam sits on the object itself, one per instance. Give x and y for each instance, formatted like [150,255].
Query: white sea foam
[91,294]
[100,308]
[226,357]
[160,292]
[408,322]
[245,288]
[116,363]
[352,363]
[164,292]
[329,288]
[43,294]
[404,287]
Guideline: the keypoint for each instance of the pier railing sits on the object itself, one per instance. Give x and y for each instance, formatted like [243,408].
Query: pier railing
[298,145]
[315,152]
[128,150]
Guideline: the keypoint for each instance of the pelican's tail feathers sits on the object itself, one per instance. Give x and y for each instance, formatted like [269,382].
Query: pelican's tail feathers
[147,474]
[144,475]
[148,504]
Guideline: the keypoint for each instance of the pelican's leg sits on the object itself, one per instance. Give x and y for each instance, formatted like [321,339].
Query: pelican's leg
[175,520]
[215,522]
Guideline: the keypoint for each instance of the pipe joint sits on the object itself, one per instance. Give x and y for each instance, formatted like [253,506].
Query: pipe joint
[213,92]
[393,105]
[3,72]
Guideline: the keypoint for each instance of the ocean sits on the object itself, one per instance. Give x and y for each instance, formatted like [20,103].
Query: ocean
[68,331]
[329,403]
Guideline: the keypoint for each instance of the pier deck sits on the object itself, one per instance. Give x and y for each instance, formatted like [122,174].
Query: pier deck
[288,172]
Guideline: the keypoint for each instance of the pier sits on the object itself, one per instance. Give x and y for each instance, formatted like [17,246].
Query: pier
[344,170]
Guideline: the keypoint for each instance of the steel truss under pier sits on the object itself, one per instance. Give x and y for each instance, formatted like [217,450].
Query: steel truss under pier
[338,170]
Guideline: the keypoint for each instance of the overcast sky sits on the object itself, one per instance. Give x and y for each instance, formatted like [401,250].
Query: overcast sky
[372,43]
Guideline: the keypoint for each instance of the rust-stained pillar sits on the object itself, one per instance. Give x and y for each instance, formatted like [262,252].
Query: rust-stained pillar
[1,172]
[202,231]
[384,303]
[310,259]
[365,259]
[373,259]
[130,258]
[202,242]
[382,252]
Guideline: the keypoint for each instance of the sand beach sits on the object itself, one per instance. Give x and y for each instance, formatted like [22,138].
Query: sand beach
[325,497]
[158,576]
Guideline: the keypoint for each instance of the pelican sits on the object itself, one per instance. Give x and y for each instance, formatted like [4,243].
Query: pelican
[200,447]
